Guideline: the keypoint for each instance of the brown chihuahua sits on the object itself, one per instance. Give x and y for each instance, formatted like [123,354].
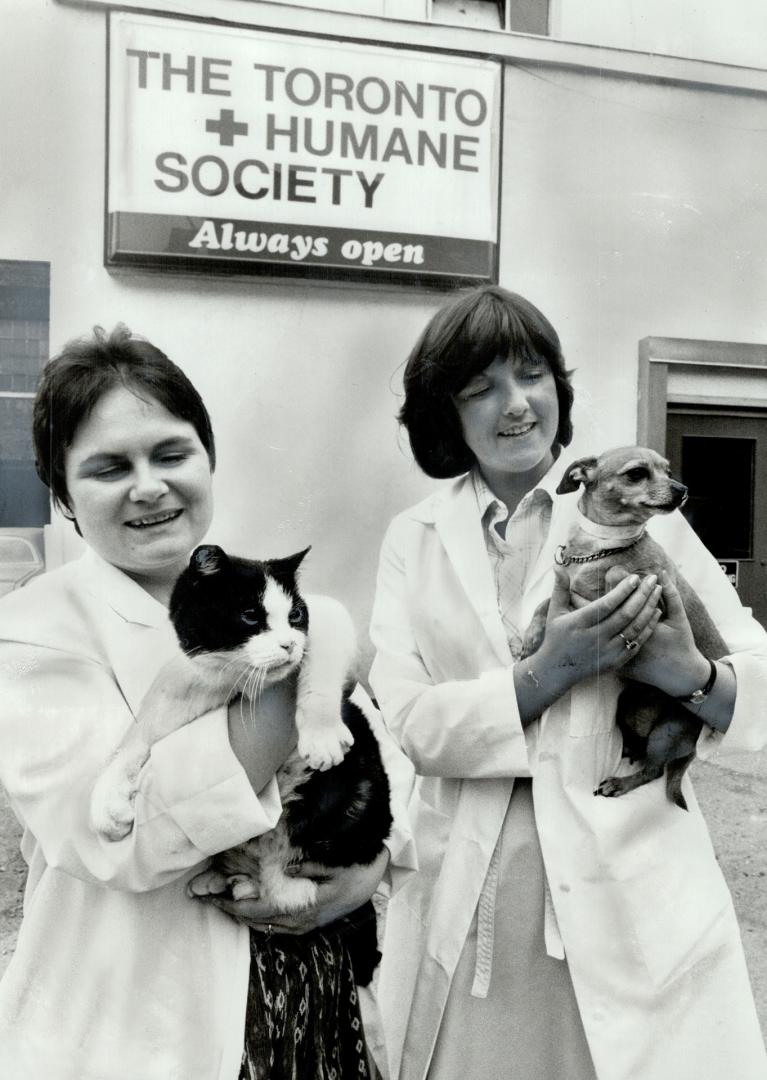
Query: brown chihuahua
[622,490]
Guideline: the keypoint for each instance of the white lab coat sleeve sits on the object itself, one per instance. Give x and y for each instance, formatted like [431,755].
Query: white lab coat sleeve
[745,637]
[401,775]
[61,716]
[448,727]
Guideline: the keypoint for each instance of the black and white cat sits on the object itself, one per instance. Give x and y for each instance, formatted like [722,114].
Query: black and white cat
[242,625]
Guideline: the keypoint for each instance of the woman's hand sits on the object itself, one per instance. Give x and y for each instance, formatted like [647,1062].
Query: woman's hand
[670,658]
[577,644]
[596,637]
[339,891]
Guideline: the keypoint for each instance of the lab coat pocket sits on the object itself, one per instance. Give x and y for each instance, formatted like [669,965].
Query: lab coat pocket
[679,906]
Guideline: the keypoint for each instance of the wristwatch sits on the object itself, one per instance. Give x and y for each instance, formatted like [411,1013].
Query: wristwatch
[697,697]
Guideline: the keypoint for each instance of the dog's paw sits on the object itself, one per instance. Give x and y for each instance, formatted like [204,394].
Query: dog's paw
[208,883]
[112,808]
[325,747]
[612,787]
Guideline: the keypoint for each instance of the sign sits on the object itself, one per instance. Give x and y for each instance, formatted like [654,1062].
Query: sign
[236,149]
[731,567]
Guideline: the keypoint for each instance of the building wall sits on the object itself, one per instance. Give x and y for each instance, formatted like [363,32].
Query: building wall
[731,33]
[630,208]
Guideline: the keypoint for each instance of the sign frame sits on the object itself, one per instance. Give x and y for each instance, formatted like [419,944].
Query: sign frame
[119,256]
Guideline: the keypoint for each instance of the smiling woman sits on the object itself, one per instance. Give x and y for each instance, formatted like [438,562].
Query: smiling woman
[133,456]
[546,933]
[138,486]
[118,972]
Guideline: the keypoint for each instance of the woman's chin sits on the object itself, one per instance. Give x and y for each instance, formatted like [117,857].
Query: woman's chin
[520,460]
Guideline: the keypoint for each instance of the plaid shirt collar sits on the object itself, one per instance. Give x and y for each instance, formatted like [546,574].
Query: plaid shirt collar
[542,494]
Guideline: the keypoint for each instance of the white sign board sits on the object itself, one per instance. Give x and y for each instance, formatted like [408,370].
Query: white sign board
[238,149]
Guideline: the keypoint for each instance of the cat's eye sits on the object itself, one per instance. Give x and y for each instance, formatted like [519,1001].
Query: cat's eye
[250,617]
[296,615]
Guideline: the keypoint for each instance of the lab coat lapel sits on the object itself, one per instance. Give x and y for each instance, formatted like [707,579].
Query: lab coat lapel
[460,529]
[136,633]
[541,578]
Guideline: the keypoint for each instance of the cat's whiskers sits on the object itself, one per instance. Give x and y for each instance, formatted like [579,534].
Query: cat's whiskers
[252,688]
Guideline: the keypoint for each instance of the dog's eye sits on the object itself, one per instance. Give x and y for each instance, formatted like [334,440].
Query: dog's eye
[636,476]
[250,617]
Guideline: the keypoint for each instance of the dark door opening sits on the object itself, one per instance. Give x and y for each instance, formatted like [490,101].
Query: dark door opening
[721,455]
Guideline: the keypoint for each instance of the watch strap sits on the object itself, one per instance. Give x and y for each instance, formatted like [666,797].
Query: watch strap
[697,697]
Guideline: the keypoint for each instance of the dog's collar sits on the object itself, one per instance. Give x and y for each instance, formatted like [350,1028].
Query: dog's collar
[610,533]
[563,559]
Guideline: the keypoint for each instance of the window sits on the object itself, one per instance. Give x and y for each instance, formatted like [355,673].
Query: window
[487,13]
[24,298]
[519,16]
[522,16]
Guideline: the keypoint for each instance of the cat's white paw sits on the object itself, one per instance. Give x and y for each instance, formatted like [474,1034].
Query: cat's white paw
[243,887]
[112,806]
[292,893]
[322,748]
[208,883]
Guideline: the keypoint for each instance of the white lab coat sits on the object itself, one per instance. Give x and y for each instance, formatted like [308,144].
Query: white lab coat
[642,908]
[117,975]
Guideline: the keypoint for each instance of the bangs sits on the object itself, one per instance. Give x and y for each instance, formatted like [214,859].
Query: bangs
[482,329]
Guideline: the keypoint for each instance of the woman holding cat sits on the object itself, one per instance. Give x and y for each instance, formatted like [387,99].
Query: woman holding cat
[548,933]
[118,973]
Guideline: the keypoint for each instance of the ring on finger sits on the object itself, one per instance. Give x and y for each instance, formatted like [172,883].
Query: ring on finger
[628,642]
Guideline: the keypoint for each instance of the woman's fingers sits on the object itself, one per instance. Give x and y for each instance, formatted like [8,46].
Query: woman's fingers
[638,637]
[675,609]
[630,592]
[629,621]
[253,913]
[559,604]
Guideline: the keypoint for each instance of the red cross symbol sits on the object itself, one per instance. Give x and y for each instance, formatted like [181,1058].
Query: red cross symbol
[226,127]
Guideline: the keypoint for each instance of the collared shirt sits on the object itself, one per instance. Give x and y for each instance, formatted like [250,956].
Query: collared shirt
[512,551]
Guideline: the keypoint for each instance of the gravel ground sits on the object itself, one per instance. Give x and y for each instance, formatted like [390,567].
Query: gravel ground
[733,797]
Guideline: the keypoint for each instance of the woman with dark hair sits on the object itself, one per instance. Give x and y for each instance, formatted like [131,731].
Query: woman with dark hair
[548,933]
[118,973]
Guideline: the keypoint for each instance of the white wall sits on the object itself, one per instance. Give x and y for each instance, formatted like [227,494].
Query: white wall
[630,209]
[633,209]
[733,32]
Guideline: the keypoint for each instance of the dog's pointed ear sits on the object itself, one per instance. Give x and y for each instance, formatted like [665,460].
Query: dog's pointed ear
[580,472]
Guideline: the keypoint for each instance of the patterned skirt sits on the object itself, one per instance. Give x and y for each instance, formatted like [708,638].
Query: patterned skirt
[303,1017]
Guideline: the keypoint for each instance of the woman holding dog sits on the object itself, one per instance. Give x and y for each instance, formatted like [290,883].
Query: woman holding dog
[118,973]
[549,933]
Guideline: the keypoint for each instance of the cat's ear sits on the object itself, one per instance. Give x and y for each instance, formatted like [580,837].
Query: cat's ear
[288,567]
[208,559]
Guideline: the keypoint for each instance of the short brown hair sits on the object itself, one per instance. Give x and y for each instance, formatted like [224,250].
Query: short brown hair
[461,340]
[86,369]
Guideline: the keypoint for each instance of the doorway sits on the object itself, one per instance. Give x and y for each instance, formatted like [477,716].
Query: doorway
[721,455]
